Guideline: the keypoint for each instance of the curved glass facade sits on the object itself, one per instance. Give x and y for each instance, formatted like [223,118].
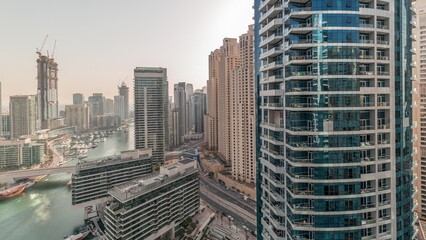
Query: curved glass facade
[335,119]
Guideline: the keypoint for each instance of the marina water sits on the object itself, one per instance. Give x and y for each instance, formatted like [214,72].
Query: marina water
[44,211]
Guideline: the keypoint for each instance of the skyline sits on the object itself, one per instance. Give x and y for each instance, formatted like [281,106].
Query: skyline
[108,65]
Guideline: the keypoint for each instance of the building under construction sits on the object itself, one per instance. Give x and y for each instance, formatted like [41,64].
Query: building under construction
[47,90]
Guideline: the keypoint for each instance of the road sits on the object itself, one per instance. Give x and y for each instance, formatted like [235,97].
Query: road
[228,195]
[228,202]
[239,220]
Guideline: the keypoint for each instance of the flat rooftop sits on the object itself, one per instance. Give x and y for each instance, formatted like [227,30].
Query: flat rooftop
[126,191]
[126,156]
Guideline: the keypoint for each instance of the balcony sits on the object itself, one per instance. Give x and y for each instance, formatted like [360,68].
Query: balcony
[271,26]
[274,38]
[299,160]
[302,207]
[382,42]
[273,92]
[272,79]
[272,105]
[272,66]
[272,52]
[366,25]
[300,74]
[271,12]
[273,126]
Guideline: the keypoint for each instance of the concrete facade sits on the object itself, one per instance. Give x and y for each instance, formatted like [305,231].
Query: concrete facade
[243,128]
[419,106]
[151,110]
[23,115]
[78,115]
[47,90]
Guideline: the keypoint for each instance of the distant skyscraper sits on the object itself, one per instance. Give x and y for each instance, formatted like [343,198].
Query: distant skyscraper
[228,59]
[77,98]
[119,107]
[180,106]
[199,106]
[189,92]
[419,96]
[97,103]
[47,90]
[123,90]
[78,115]
[335,116]
[151,110]
[109,106]
[23,115]
[243,117]
[211,118]
[6,125]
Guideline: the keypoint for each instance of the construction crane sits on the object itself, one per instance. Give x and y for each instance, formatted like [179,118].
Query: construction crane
[54,48]
[41,49]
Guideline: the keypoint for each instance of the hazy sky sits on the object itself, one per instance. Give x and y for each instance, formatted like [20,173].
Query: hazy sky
[99,42]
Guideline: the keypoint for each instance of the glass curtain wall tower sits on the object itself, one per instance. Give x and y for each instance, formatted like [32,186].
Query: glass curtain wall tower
[335,119]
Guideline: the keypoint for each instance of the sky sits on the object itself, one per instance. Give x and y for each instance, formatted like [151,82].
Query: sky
[100,42]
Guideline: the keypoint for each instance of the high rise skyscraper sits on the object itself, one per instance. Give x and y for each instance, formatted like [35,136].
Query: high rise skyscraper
[97,104]
[23,115]
[47,90]
[109,106]
[151,110]
[78,115]
[243,118]
[180,106]
[211,117]
[123,90]
[335,112]
[199,106]
[189,92]
[119,109]
[77,98]
[419,96]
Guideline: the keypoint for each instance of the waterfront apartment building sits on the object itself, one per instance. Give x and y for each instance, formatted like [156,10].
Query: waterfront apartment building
[15,153]
[119,109]
[97,105]
[419,93]
[78,115]
[47,90]
[243,117]
[211,117]
[181,105]
[123,91]
[335,109]
[151,110]
[23,115]
[150,207]
[5,125]
[77,98]
[229,59]
[92,180]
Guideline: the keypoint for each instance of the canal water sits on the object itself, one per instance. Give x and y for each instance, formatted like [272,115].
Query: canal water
[44,211]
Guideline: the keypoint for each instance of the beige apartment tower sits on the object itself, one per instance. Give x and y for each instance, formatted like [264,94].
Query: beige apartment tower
[78,115]
[231,119]
[211,118]
[229,59]
[23,115]
[419,101]
[243,135]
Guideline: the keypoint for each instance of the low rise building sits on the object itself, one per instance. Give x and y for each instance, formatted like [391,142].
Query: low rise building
[92,180]
[154,205]
[15,153]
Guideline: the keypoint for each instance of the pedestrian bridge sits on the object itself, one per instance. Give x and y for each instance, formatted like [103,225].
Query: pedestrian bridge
[22,174]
